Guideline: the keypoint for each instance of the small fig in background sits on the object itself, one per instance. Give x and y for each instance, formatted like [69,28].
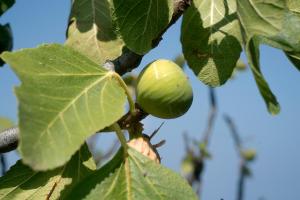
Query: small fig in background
[249,154]
[163,90]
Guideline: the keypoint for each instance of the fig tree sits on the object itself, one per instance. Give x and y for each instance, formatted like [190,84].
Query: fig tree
[163,90]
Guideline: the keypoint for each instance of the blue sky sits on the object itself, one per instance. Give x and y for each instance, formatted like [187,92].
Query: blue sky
[276,138]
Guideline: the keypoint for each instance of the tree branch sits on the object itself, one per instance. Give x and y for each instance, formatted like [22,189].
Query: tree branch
[9,139]
[243,162]
[123,64]
[207,135]
[211,116]
[234,133]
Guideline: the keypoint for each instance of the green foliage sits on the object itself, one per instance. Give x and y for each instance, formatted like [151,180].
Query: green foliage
[100,29]
[294,58]
[211,40]
[6,40]
[21,182]
[64,98]
[5,5]
[134,177]
[253,56]
[214,31]
[141,21]
[83,188]
[260,26]
[92,30]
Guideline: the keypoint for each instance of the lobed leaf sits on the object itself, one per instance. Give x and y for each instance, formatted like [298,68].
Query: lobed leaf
[261,25]
[280,31]
[136,177]
[21,182]
[64,98]
[211,40]
[82,189]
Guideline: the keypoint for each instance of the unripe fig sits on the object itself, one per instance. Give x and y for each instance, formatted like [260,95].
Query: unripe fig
[249,154]
[163,90]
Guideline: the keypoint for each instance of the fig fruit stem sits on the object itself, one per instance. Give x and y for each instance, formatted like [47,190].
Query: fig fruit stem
[116,127]
[124,86]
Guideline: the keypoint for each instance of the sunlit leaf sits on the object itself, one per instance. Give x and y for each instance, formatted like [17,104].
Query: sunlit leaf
[211,40]
[64,98]
[83,188]
[21,182]
[252,53]
[134,177]
[260,24]
[92,30]
[141,21]
[294,5]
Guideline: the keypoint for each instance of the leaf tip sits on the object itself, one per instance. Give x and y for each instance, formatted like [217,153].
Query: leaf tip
[4,54]
[274,109]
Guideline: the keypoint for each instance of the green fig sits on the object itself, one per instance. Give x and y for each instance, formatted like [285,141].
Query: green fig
[248,154]
[163,90]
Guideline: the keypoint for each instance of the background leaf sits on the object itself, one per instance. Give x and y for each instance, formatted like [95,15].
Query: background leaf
[100,29]
[64,98]
[6,40]
[252,53]
[138,177]
[5,5]
[211,40]
[92,30]
[83,188]
[141,21]
[261,25]
[21,182]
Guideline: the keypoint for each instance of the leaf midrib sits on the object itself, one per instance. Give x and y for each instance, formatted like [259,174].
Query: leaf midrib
[146,178]
[51,123]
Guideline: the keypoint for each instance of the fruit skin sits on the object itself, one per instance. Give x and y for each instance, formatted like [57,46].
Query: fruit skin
[163,90]
[143,145]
